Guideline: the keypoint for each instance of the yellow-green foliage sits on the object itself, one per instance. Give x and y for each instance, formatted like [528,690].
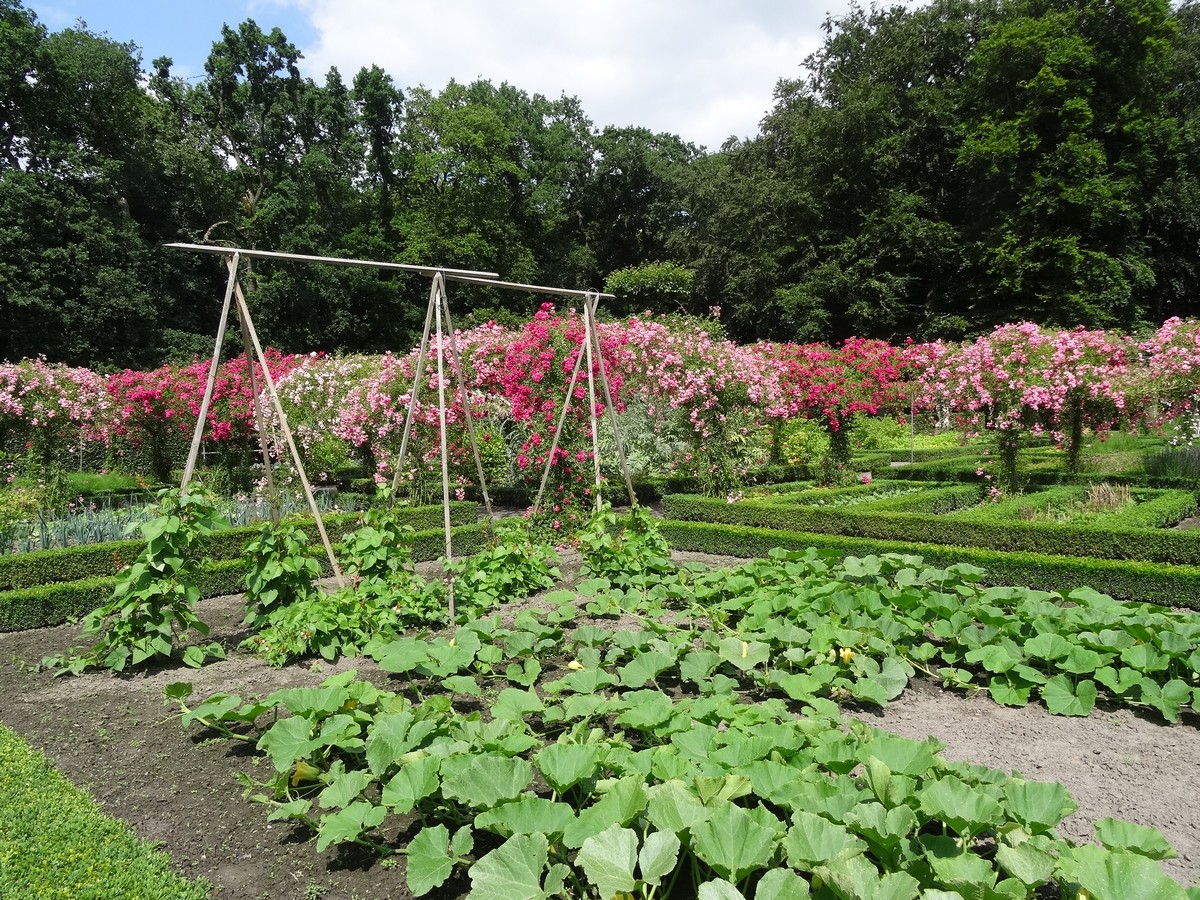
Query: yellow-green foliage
[56,844]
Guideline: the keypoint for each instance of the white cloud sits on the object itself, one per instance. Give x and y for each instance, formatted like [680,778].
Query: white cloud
[703,70]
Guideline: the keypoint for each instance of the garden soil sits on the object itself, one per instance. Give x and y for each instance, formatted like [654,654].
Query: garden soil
[114,736]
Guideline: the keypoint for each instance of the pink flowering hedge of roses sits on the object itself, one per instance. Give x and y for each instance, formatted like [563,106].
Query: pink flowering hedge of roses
[1019,379]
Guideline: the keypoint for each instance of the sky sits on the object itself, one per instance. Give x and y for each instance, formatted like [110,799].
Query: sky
[703,69]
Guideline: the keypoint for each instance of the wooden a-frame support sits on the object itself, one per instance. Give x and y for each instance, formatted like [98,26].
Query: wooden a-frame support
[591,351]
[233,290]
[437,308]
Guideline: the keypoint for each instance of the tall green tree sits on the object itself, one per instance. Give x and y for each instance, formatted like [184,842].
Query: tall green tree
[73,263]
[1068,144]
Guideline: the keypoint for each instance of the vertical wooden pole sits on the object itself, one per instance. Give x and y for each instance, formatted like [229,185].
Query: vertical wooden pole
[537,503]
[462,383]
[416,386]
[445,453]
[198,433]
[259,422]
[244,311]
[588,334]
[612,408]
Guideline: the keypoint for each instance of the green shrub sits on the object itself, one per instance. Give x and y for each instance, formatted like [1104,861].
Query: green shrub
[56,844]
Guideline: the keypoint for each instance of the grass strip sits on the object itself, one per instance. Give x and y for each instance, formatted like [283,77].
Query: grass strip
[56,843]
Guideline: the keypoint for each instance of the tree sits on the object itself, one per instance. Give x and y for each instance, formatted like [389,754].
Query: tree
[1068,143]
[634,199]
[72,259]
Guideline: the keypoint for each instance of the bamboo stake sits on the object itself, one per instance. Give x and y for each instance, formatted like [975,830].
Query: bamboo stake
[259,422]
[198,433]
[416,389]
[457,359]
[537,503]
[611,407]
[588,333]
[445,454]
[334,260]
[244,311]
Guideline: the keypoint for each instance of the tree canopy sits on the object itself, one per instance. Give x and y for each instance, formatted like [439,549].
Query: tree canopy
[933,172]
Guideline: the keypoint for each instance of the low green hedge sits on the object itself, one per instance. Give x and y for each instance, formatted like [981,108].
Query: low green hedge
[56,844]
[1140,581]
[1045,473]
[1163,546]
[934,501]
[23,570]
[52,604]
[1153,508]
[1016,507]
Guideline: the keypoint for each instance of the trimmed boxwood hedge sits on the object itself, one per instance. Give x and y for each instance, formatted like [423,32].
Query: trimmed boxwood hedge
[1174,547]
[24,570]
[52,604]
[1043,475]
[1140,581]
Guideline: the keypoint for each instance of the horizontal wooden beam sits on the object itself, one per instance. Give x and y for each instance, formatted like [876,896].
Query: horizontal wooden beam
[333,260]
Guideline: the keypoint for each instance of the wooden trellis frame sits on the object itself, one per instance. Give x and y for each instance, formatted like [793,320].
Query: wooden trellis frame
[437,309]
[233,291]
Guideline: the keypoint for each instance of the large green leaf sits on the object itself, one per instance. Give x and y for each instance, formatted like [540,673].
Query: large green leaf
[526,815]
[813,840]
[968,810]
[624,801]
[608,860]
[347,824]
[1117,834]
[288,740]
[1168,699]
[644,667]
[658,857]
[565,765]
[1008,691]
[1039,806]
[1064,699]
[484,780]
[781,884]
[744,655]
[719,890]
[429,860]
[1144,658]
[513,871]
[732,842]
[1048,645]
[1106,875]
[345,788]
[1025,862]
[673,806]
[993,657]
[392,735]
[645,709]
[413,783]
[514,704]
[903,756]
